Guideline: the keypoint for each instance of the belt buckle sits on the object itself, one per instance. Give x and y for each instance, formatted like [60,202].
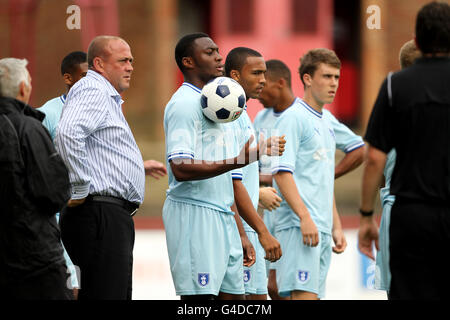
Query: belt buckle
[134,212]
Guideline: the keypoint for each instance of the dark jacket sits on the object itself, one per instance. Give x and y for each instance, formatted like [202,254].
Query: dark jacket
[34,186]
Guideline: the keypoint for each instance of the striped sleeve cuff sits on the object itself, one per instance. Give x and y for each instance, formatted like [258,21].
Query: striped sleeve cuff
[354,146]
[282,168]
[80,191]
[236,176]
[180,154]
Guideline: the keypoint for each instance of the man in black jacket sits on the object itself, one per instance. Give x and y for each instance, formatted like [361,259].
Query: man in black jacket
[412,116]
[34,185]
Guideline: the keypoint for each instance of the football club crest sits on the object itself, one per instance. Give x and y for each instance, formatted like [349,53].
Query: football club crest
[203,279]
[303,276]
[246,276]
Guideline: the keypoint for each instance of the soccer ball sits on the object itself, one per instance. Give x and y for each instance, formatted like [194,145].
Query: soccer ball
[222,100]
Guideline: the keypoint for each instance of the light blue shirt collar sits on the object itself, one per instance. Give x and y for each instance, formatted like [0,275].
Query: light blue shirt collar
[190,85]
[310,109]
[63,98]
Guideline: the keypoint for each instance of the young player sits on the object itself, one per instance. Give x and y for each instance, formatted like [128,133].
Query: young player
[203,241]
[74,66]
[247,67]
[368,230]
[276,97]
[278,94]
[308,219]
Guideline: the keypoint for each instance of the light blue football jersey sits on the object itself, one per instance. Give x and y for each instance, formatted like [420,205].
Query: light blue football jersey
[249,174]
[52,109]
[189,134]
[310,157]
[346,139]
[264,124]
[385,195]
[265,121]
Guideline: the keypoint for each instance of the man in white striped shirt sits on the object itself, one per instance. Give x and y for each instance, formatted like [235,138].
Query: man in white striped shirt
[106,171]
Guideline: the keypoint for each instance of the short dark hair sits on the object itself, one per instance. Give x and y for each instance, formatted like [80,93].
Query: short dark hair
[313,58]
[72,60]
[185,47]
[237,57]
[433,28]
[277,69]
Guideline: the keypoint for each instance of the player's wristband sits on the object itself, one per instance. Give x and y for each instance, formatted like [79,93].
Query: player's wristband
[366,213]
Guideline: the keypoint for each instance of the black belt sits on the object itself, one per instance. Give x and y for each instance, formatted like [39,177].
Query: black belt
[128,205]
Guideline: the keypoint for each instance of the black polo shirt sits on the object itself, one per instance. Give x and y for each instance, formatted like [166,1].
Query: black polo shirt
[413,116]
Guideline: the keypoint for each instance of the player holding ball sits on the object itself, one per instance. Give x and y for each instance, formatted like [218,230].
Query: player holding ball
[204,247]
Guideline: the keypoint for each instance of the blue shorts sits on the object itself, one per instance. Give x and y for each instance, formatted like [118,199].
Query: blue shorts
[255,277]
[301,267]
[205,249]
[382,271]
[74,281]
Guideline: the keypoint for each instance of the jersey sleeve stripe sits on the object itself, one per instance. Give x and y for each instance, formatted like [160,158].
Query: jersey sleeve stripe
[174,155]
[236,176]
[354,146]
[282,169]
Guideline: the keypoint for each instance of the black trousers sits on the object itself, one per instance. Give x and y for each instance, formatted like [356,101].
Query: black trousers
[99,238]
[419,247]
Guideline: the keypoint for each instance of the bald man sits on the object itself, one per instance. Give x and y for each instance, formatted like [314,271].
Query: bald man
[106,172]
